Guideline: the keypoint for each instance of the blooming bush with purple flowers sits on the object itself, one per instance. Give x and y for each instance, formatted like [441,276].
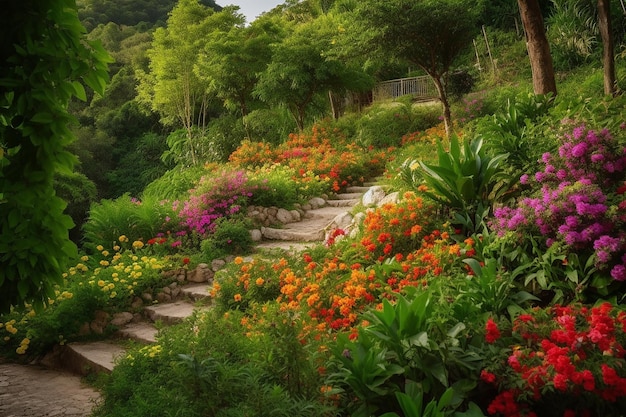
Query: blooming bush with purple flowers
[215,197]
[579,204]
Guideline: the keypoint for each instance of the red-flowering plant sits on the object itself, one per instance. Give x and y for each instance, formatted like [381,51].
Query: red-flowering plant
[559,361]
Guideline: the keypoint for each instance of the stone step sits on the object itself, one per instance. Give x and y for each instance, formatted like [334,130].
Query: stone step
[291,247]
[357,189]
[343,203]
[197,292]
[293,234]
[170,313]
[141,332]
[347,196]
[89,358]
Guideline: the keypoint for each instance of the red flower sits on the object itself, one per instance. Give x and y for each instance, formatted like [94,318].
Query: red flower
[186,261]
[487,376]
[493,333]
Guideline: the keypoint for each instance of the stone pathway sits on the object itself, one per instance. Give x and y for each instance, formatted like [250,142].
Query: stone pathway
[32,391]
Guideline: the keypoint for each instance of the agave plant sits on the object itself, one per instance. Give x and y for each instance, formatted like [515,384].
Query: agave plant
[466,180]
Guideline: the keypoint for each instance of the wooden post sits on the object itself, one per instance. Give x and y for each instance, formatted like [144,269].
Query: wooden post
[493,65]
[477,56]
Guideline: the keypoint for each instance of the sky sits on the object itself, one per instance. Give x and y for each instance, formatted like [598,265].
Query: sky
[252,8]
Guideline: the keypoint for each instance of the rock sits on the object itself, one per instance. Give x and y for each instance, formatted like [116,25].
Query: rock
[256,235]
[317,202]
[137,303]
[356,224]
[341,221]
[121,319]
[373,196]
[393,198]
[306,207]
[217,264]
[296,216]
[166,290]
[284,216]
[272,211]
[147,297]
[175,292]
[173,285]
[199,274]
[163,298]
[99,322]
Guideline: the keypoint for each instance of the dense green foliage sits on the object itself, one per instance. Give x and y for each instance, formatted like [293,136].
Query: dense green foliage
[46,60]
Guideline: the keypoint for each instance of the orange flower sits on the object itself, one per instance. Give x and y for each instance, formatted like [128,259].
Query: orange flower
[237,297]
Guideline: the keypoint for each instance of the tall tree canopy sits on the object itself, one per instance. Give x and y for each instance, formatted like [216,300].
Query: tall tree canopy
[45,58]
[427,33]
[172,87]
[301,72]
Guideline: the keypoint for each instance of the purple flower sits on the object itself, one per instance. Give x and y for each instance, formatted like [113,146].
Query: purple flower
[524,179]
[580,150]
[619,273]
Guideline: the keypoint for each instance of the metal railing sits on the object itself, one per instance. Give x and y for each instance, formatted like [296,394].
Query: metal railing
[420,87]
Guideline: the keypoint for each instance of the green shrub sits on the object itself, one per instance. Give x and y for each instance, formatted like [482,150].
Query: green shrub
[216,365]
[224,134]
[383,125]
[79,192]
[138,220]
[174,184]
[231,236]
[269,125]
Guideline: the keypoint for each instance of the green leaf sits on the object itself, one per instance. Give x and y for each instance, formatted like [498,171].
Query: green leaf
[42,117]
[446,399]
[79,91]
[409,408]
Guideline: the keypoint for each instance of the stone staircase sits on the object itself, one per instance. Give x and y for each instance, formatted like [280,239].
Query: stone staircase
[96,357]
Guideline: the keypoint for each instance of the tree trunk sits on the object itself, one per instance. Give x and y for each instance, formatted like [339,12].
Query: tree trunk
[538,47]
[608,60]
[445,104]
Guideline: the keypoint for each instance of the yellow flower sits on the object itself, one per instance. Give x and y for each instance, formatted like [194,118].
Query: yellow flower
[101,283]
[100,248]
[122,239]
[84,258]
[104,263]
[137,244]
[116,248]
[113,294]
[105,253]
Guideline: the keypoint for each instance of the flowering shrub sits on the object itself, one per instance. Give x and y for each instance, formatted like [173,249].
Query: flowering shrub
[252,154]
[321,154]
[561,361]
[282,186]
[215,197]
[396,228]
[580,201]
[106,281]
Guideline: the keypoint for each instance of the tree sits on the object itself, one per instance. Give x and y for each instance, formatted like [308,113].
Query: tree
[231,62]
[171,87]
[427,33]
[538,47]
[45,57]
[608,60]
[301,72]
